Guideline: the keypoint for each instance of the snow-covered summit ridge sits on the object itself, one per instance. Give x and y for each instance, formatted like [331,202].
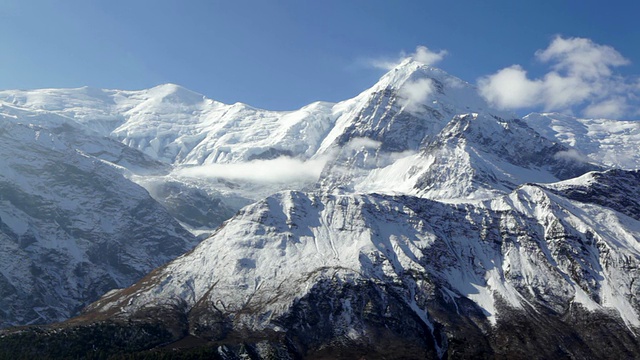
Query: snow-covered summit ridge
[408,119]
[460,95]
[168,121]
[176,125]
[411,94]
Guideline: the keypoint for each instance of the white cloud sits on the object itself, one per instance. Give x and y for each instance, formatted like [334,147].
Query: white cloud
[581,75]
[280,170]
[422,54]
[362,142]
[510,88]
[363,153]
[414,93]
[571,155]
[562,92]
[428,57]
[384,64]
[581,57]
[611,108]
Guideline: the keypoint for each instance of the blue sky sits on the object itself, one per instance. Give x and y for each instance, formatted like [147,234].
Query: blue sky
[284,54]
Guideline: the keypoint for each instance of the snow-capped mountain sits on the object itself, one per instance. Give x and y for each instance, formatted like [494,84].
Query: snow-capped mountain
[423,132]
[346,271]
[183,131]
[412,221]
[177,126]
[427,131]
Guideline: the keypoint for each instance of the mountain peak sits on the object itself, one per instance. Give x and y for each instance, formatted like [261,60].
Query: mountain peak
[176,93]
[411,70]
[419,85]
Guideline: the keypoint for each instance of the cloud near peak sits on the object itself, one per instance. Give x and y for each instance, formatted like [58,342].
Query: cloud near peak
[422,55]
[428,57]
[414,93]
[580,75]
[581,57]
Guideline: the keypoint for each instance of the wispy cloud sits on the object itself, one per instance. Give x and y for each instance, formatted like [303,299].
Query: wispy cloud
[615,107]
[367,154]
[428,57]
[580,75]
[571,155]
[381,63]
[359,143]
[275,171]
[422,54]
[414,93]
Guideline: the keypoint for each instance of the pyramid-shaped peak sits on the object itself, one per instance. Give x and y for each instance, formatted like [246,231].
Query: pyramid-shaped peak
[418,85]
[410,70]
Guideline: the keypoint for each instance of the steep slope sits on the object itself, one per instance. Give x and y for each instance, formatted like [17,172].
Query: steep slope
[346,275]
[423,132]
[71,225]
[409,103]
[478,156]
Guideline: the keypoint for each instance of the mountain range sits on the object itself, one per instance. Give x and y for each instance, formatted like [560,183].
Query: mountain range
[411,221]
